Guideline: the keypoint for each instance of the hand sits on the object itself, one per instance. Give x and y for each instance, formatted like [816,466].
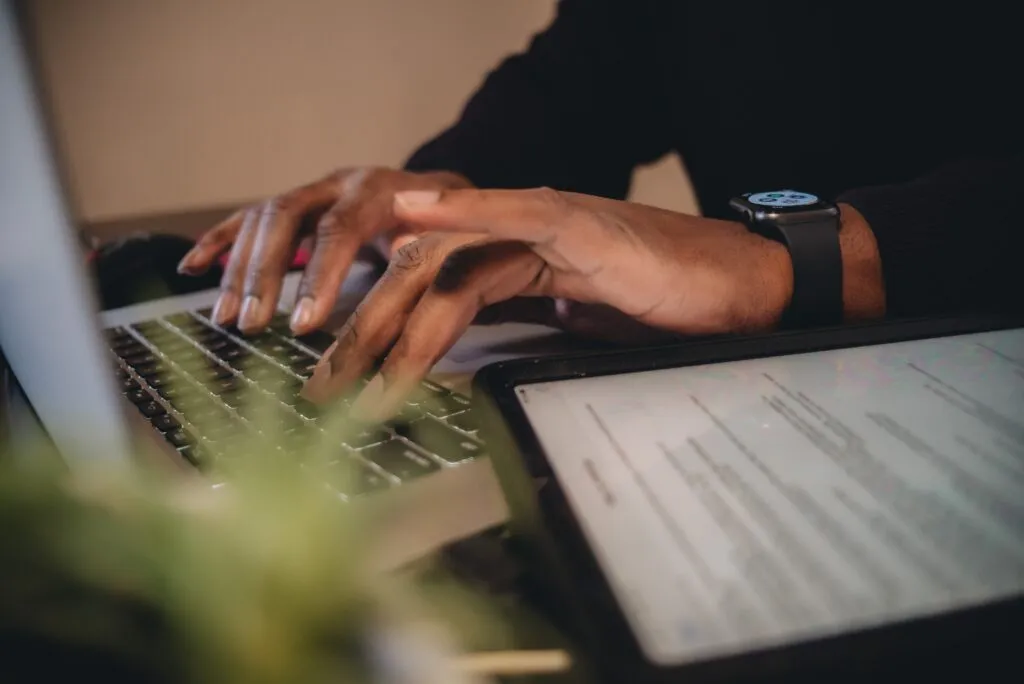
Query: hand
[661,269]
[341,212]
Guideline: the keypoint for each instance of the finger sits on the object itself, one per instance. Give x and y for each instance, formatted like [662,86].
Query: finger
[533,216]
[334,249]
[225,311]
[212,244]
[377,322]
[273,247]
[488,274]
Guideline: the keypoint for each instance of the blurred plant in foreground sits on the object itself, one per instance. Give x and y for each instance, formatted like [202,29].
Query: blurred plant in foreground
[130,576]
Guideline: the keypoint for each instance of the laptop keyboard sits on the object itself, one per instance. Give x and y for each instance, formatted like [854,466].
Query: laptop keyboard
[203,387]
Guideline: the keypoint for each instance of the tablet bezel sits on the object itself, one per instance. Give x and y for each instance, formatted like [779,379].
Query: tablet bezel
[540,515]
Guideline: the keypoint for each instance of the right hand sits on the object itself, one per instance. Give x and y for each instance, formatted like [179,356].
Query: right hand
[341,212]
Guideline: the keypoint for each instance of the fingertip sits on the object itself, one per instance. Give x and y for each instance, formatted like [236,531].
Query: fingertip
[188,265]
[226,309]
[301,315]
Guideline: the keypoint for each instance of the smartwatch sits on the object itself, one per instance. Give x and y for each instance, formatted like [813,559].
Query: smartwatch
[809,228]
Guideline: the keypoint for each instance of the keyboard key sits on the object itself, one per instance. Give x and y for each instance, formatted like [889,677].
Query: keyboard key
[158,380]
[223,386]
[360,479]
[140,358]
[365,438]
[125,345]
[304,369]
[151,369]
[151,330]
[180,320]
[280,423]
[179,438]
[218,345]
[307,409]
[173,390]
[440,407]
[408,413]
[236,399]
[213,373]
[219,430]
[438,438]
[138,396]
[192,404]
[318,340]
[230,352]
[197,456]
[299,441]
[165,423]
[204,334]
[280,322]
[275,347]
[464,421]
[434,388]
[296,357]
[151,409]
[399,459]
[205,416]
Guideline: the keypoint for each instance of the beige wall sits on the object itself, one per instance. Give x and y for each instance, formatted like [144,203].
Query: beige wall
[172,105]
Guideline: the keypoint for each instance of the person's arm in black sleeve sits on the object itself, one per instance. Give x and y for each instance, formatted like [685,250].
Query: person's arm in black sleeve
[577,111]
[952,241]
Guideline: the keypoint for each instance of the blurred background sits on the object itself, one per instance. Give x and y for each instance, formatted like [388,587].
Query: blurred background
[171,111]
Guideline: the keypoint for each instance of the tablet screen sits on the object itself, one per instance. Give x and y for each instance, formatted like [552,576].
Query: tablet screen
[752,503]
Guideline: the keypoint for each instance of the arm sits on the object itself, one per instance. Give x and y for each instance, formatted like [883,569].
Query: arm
[949,242]
[577,111]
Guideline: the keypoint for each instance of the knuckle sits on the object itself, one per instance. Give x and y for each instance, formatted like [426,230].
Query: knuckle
[259,277]
[550,197]
[411,256]
[329,224]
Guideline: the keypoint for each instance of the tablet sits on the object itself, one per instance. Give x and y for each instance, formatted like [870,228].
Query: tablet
[716,501]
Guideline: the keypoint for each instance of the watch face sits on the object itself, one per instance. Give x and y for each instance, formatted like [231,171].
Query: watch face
[783,199]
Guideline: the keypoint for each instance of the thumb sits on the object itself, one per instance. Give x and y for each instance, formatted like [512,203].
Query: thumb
[531,216]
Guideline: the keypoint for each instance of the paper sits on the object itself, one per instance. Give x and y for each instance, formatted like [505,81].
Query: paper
[745,504]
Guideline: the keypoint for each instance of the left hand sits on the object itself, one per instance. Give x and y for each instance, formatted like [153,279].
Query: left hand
[662,269]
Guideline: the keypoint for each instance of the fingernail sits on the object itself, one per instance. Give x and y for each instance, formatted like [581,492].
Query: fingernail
[367,406]
[412,199]
[226,308]
[184,266]
[250,310]
[302,314]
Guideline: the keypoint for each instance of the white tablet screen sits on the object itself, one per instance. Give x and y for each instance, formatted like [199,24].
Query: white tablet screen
[747,504]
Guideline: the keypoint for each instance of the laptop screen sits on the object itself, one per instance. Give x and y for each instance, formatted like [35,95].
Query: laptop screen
[748,504]
[48,329]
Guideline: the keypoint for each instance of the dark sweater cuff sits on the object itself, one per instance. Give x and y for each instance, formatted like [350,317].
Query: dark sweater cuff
[937,238]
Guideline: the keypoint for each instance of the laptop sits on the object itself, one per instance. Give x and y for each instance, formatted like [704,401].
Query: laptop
[160,378]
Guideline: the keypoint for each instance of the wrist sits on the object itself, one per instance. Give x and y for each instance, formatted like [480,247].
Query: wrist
[863,284]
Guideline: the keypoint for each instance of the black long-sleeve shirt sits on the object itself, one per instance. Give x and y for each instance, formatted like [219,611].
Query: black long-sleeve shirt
[910,114]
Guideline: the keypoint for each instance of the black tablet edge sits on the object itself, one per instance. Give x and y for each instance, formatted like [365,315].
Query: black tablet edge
[539,515]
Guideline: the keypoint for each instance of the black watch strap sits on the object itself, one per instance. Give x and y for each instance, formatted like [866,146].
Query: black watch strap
[817,274]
